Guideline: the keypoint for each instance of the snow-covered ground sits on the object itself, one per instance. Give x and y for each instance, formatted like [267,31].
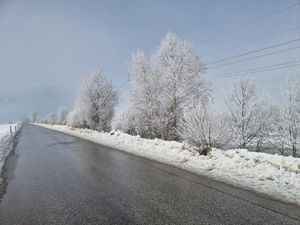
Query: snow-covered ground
[274,175]
[6,138]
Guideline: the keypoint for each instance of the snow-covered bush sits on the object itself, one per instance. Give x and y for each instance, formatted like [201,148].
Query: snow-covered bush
[50,119]
[267,137]
[95,105]
[129,121]
[74,119]
[62,114]
[203,128]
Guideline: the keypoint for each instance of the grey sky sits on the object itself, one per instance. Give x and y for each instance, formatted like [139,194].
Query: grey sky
[46,47]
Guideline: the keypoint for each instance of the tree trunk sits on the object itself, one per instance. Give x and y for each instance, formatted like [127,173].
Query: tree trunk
[294,151]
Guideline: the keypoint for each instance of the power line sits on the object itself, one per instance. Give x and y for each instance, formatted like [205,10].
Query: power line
[252,41]
[260,68]
[259,71]
[255,57]
[254,51]
[240,73]
[247,24]
[254,72]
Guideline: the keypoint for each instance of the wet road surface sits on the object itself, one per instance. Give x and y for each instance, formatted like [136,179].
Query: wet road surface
[53,178]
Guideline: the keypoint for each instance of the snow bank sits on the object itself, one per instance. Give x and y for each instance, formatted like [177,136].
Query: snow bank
[6,139]
[274,175]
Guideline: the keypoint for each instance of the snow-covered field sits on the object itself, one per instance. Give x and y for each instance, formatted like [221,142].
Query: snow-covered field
[6,139]
[274,175]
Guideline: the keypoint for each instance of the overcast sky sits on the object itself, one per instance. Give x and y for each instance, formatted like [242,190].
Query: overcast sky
[47,47]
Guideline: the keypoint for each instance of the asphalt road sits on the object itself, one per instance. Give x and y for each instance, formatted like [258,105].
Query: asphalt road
[53,178]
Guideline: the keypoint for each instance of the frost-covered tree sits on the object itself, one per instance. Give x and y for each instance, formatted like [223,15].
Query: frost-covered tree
[203,128]
[291,115]
[278,136]
[163,86]
[32,117]
[145,98]
[95,105]
[245,112]
[181,72]
[62,114]
[268,116]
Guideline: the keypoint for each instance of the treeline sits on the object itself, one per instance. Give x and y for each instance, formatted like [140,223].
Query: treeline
[171,99]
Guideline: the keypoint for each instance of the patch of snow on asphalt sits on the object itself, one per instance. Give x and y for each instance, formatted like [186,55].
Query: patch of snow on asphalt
[274,175]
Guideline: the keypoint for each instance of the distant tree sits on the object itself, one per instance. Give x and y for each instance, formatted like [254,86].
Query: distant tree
[245,112]
[95,105]
[32,117]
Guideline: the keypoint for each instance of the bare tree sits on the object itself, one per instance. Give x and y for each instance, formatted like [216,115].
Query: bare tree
[95,105]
